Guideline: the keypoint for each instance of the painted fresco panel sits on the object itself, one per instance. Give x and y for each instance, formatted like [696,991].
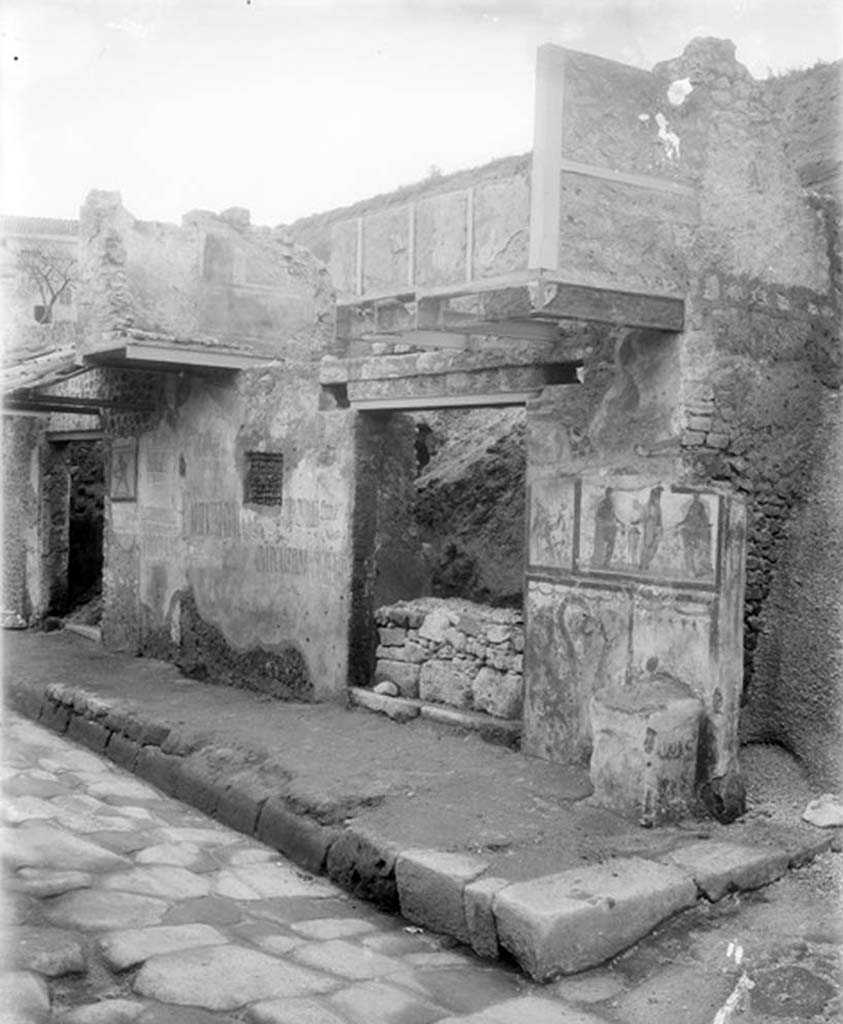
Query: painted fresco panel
[551,527]
[501,226]
[655,533]
[576,643]
[343,265]
[386,251]
[441,239]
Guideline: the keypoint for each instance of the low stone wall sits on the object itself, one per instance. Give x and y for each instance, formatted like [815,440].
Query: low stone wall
[452,652]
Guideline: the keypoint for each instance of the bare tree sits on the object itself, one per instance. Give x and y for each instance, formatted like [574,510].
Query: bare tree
[50,272]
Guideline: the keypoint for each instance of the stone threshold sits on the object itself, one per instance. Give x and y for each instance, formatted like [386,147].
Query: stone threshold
[552,925]
[504,731]
[89,632]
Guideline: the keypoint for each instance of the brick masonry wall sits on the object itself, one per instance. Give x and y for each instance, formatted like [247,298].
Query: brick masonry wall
[760,403]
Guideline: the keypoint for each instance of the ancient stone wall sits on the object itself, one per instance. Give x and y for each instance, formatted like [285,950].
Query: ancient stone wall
[761,370]
[24,598]
[229,496]
[452,652]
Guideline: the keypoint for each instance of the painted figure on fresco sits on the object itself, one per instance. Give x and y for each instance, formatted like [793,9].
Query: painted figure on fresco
[695,530]
[548,531]
[651,528]
[123,470]
[633,534]
[605,530]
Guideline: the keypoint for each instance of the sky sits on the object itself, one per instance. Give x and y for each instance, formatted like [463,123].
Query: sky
[290,108]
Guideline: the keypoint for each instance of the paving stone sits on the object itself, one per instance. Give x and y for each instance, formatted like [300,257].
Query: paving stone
[250,855]
[527,1010]
[346,960]
[292,1011]
[49,951]
[201,836]
[277,945]
[184,855]
[224,978]
[92,909]
[718,868]
[171,883]
[26,808]
[124,949]
[280,879]
[128,789]
[594,987]
[40,845]
[107,1011]
[396,943]
[439,958]
[430,888]
[478,897]
[205,910]
[230,886]
[178,1015]
[68,759]
[24,997]
[332,928]
[137,813]
[41,882]
[563,923]
[387,1004]
[467,988]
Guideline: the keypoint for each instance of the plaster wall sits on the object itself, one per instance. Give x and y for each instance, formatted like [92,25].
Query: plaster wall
[196,568]
[250,594]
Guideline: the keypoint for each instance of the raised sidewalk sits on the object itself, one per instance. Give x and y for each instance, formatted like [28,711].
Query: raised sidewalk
[460,836]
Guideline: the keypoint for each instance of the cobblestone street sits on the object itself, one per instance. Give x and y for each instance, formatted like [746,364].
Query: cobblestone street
[132,907]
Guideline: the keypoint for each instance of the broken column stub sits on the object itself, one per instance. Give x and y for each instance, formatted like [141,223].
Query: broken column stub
[630,578]
[644,759]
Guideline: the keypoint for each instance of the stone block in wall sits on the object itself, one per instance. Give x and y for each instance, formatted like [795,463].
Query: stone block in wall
[448,682]
[498,633]
[411,651]
[498,693]
[402,673]
[436,625]
[391,636]
[455,639]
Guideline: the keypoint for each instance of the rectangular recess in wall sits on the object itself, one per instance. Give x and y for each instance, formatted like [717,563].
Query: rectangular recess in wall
[264,483]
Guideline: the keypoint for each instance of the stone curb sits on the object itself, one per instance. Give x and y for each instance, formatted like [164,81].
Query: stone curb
[552,925]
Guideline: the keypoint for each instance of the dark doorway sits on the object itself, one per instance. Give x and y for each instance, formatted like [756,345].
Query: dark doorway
[85,465]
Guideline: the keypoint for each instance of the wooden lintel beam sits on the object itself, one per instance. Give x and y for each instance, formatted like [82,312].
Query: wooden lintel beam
[493,400]
[69,403]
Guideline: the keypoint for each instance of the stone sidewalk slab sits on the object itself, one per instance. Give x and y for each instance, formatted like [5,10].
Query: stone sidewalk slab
[719,868]
[430,889]
[561,924]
